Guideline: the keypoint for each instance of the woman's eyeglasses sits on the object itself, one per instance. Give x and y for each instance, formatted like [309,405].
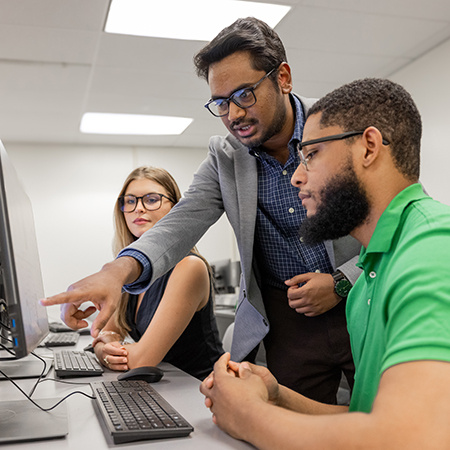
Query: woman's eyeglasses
[151,202]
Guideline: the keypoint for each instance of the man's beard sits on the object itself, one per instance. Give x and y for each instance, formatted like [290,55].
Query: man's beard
[344,206]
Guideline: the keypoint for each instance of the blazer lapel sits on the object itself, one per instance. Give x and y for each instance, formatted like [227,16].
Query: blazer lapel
[247,197]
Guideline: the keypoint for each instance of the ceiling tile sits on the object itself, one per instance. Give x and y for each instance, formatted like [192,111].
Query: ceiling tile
[355,33]
[68,14]
[19,43]
[431,10]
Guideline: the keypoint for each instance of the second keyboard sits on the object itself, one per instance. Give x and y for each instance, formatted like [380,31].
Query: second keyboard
[72,363]
[61,339]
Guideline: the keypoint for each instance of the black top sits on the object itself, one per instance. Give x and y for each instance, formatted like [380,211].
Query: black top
[199,346]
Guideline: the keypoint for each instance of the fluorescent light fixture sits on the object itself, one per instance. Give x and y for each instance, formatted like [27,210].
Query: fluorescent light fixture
[137,124]
[199,20]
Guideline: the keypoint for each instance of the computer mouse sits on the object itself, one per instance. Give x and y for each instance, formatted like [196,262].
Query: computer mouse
[150,374]
[89,348]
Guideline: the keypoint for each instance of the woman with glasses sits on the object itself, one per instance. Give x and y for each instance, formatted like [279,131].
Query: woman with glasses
[173,320]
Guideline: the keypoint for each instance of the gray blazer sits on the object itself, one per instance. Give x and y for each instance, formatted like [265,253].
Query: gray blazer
[226,181]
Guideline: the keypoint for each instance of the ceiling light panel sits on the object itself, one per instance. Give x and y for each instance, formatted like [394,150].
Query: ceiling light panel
[199,20]
[132,124]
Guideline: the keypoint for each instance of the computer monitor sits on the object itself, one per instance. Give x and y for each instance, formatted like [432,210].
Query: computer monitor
[20,275]
[226,275]
[27,323]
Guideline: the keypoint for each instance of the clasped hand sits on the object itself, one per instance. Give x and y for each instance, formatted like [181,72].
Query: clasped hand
[112,354]
[232,384]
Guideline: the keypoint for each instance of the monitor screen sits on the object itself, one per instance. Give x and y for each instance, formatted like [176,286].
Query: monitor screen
[20,276]
[226,275]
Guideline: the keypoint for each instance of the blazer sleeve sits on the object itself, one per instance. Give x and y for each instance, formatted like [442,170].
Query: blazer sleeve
[172,238]
[346,253]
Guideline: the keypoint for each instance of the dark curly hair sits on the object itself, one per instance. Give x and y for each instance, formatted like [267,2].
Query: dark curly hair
[383,104]
[248,34]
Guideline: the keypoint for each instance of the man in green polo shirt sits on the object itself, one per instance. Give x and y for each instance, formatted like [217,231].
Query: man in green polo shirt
[359,175]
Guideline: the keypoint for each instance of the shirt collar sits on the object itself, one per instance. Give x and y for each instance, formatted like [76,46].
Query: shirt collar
[299,119]
[298,128]
[389,221]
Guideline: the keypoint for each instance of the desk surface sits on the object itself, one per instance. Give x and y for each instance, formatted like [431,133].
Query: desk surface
[177,387]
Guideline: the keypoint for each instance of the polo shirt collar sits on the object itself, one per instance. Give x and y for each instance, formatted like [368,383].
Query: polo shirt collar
[390,220]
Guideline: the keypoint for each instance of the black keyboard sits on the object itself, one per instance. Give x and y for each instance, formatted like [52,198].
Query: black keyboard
[72,363]
[134,411]
[61,339]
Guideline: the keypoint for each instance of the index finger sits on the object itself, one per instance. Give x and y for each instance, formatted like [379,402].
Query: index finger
[64,297]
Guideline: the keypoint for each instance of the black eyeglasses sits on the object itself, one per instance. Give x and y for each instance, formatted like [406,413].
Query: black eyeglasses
[305,159]
[244,98]
[151,202]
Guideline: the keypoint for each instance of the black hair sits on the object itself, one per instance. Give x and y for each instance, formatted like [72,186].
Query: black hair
[383,104]
[244,35]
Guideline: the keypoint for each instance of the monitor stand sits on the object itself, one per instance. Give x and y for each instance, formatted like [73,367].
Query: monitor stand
[21,421]
[27,367]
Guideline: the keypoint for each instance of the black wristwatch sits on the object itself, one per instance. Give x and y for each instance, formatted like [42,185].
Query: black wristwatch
[341,285]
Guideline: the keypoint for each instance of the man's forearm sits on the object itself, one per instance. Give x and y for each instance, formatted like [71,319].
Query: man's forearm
[294,401]
[126,269]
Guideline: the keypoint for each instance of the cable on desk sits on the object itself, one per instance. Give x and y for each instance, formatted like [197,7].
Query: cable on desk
[28,396]
[4,347]
[36,404]
[63,381]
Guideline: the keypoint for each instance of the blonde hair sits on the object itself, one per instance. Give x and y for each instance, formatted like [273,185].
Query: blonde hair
[123,236]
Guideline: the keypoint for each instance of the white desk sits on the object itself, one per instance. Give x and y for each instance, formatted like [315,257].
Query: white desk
[85,432]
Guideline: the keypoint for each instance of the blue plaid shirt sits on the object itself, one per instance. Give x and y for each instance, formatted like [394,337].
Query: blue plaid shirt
[280,253]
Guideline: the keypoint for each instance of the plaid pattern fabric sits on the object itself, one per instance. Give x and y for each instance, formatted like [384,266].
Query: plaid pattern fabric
[281,254]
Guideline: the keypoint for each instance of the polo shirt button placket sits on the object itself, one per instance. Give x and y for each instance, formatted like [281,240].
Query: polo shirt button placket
[372,275]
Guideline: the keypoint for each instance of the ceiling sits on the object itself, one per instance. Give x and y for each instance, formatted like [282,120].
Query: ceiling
[56,63]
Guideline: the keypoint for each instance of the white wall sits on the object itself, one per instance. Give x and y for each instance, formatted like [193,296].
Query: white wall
[73,190]
[428,81]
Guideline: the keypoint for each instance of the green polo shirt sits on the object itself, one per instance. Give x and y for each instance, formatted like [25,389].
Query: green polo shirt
[399,308]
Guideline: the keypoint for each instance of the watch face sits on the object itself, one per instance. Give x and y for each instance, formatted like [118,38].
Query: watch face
[343,287]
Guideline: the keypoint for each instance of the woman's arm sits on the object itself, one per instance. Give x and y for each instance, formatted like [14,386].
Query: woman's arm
[187,291]
[109,349]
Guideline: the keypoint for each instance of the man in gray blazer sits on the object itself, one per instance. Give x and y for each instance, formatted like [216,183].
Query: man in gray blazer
[292,295]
